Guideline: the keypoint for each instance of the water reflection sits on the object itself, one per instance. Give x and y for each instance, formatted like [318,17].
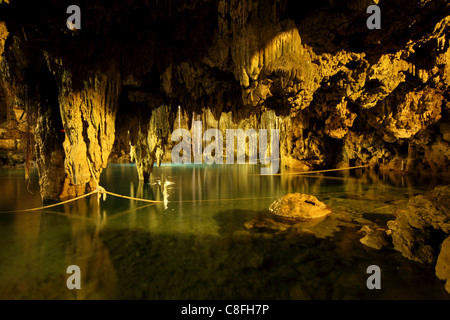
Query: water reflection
[37,252]
[194,245]
[87,250]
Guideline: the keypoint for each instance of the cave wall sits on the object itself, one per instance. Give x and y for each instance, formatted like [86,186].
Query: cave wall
[13,124]
[340,94]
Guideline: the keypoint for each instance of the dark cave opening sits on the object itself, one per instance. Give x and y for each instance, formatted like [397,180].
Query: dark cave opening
[402,150]
[333,152]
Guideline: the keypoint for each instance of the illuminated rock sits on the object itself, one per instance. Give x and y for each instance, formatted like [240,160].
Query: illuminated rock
[302,207]
[419,229]
[376,239]
[443,264]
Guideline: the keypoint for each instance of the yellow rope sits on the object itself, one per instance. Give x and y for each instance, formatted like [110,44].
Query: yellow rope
[132,198]
[100,190]
[116,215]
[320,171]
[52,205]
[222,199]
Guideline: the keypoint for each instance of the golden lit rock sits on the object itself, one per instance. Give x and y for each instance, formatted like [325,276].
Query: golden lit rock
[300,207]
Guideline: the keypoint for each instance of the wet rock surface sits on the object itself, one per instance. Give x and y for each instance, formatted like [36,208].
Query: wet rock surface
[376,239]
[419,229]
[300,207]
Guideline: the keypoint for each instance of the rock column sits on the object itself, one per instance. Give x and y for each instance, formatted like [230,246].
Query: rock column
[88,110]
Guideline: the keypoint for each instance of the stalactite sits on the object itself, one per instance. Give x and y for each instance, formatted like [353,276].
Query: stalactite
[149,139]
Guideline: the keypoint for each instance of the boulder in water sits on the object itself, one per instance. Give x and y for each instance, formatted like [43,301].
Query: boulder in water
[376,239]
[301,207]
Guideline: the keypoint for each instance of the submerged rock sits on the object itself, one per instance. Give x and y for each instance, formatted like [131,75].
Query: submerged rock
[376,239]
[302,207]
[292,217]
[266,224]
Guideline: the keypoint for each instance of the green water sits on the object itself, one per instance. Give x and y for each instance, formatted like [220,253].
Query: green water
[201,249]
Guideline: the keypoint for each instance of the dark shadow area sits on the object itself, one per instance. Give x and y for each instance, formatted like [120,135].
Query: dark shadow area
[138,34]
[249,265]
[227,220]
[3,104]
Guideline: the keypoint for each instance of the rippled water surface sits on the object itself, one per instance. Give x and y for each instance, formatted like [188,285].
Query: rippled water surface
[195,245]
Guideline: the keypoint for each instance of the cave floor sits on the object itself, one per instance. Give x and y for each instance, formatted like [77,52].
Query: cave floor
[196,245]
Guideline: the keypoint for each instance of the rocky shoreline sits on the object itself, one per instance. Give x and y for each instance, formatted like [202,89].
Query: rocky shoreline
[420,232]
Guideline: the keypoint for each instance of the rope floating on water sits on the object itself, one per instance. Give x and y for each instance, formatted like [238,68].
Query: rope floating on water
[102,191]
[223,199]
[53,205]
[99,191]
[321,171]
[132,198]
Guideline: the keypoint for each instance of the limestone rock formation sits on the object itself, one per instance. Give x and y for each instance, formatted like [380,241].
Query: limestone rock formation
[419,230]
[376,239]
[148,141]
[302,207]
[88,117]
[3,36]
[443,264]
